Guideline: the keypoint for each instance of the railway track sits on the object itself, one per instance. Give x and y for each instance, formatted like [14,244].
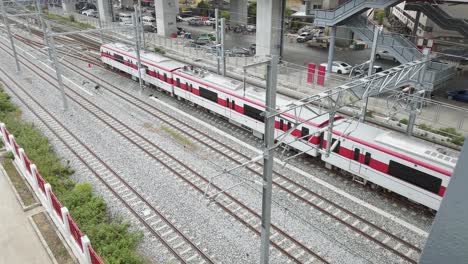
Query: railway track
[180,246]
[280,240]
[370,231]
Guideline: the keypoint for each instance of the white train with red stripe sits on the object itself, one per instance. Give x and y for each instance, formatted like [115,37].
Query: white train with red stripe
[405,165]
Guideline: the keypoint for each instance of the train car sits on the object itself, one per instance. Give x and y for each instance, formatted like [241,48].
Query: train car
[245,107]
[411,167]
[157,69]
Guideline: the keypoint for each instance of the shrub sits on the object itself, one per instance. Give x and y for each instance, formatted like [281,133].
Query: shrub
[379,15]
[110,238]
[159,50]
[10,155]
[404,121]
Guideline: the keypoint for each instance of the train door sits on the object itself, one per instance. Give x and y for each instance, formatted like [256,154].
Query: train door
[355,162]
[227,109]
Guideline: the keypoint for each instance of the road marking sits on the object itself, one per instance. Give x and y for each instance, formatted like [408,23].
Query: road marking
[303,173]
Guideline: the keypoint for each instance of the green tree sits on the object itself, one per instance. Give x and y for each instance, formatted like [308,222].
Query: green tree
[252,12]
[203,8]
[226,15]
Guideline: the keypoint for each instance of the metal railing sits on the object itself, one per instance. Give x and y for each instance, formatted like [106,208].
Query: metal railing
[333,16]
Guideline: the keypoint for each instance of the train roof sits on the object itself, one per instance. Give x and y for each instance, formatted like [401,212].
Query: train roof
[396,141]
[147,58]
[252,93]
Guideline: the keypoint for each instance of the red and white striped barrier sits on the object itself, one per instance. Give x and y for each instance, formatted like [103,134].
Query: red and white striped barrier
[76,240]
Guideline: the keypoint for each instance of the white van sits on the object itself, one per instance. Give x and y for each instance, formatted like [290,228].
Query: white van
[124,17]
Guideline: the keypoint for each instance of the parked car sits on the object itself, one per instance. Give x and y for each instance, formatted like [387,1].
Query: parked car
[361,72]
[383,54]
[460,95]
[305,36]
[90,12]
[238,52]
[319,42]
[339,67]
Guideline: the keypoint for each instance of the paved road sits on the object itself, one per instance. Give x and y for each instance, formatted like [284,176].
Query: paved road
[297,53]
[18,240]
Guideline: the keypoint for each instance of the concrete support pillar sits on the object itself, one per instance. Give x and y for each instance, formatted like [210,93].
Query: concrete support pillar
[331,48]
[239,12]
[414,32]
[269,17]
[68,6]
[166,13]
[105,10]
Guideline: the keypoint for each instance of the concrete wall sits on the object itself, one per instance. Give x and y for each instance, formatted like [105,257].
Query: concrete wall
[166,13]
[268,26]
[238,11]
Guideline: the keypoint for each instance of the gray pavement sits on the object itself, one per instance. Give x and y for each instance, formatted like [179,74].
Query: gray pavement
[297,53]
[19,242]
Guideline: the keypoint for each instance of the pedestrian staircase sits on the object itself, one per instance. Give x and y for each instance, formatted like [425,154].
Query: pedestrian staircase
[440,17]
[350,8]
[401,48]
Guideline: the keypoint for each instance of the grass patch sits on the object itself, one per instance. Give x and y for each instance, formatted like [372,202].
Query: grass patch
[20,185]
[70,20]
[52,239]
[111,238]
[454,136]
[177,136]
[159,50]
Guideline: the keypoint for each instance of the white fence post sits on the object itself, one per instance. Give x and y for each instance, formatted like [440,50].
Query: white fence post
[23,163]
[65,214]
[35,184]
[12,145]
[85,244]
[4,138]
[49,206]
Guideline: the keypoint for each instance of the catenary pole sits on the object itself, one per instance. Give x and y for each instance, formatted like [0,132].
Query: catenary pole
[44,28]
[223,55]
[377,30]
[269,143]
[57,69]
[140,23]
[217,40]
[7,25]
[416,98]
[137,49]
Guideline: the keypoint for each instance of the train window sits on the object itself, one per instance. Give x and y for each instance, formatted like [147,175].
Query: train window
[356,154]
[157,75]
[233,105]
[165,77]
[119,58]
[210,95]
[253,113]
[178,82]
[337,148]
[305,133]
[321,139]
[227,102]
[191,87]
[413,176]
[281,124]
[289,125]
[186,86]
[367,158]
